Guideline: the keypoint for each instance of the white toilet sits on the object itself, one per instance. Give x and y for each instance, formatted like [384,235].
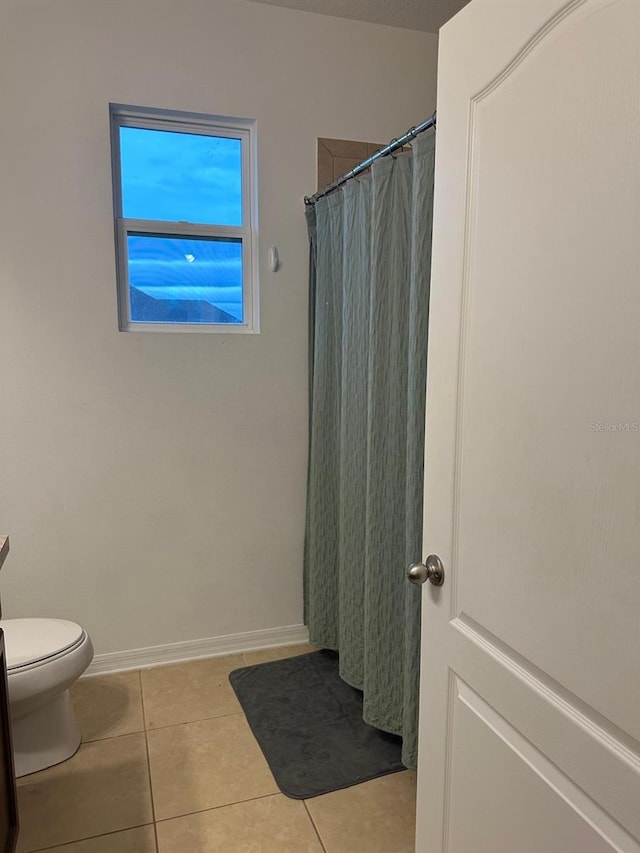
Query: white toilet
[44,658]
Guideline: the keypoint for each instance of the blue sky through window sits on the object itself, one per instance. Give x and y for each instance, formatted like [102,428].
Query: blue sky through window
[181,177]
[173,176]
[182,273]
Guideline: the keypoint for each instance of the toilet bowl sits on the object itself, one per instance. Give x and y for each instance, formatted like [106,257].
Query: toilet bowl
[44,658]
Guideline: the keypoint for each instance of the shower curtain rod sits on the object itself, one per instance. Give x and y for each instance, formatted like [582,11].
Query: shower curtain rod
[361,167]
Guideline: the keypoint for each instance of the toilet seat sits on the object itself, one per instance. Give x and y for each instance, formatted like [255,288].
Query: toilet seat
[31,643]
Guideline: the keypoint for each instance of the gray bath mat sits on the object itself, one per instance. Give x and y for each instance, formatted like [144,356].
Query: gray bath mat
[309,725]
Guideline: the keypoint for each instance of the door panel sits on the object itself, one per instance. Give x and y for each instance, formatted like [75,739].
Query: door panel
[547,716]
[486,749]
[539,288]
[531,650]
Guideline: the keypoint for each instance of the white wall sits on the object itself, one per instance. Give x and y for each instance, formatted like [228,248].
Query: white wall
[153,485]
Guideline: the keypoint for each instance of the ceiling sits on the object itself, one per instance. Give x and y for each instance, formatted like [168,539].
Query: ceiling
[426,15]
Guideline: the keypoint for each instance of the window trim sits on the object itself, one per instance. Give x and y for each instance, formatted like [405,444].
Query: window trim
[149,118]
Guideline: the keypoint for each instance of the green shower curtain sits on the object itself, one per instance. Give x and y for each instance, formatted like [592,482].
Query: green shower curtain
[369,292]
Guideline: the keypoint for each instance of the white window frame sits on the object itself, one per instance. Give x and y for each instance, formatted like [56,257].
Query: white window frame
[148,118]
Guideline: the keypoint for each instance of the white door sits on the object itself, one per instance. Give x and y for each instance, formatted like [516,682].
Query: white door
[530,698]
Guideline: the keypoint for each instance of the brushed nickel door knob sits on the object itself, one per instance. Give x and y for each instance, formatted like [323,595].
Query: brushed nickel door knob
[431,570]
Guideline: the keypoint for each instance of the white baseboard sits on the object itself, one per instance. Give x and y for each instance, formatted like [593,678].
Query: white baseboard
[208,647]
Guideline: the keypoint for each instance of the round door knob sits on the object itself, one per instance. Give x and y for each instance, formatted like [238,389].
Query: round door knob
[431,570]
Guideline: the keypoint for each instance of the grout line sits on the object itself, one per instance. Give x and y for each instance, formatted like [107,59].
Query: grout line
[146,746]
[111,737]
[277,793]
[88,838]
[313,824]
[192,722]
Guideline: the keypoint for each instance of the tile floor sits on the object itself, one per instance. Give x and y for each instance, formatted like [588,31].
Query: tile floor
[168,764]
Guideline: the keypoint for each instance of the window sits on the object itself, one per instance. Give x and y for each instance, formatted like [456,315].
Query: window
[184,205]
